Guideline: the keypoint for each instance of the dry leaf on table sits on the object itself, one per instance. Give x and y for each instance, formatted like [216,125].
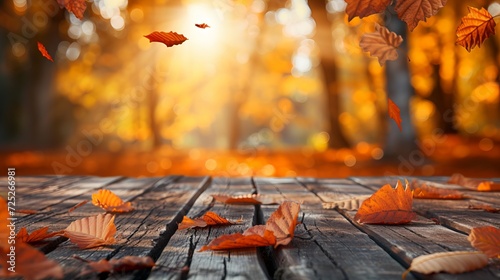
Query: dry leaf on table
[92,231]
[35,236]
[486,239]
[474,184]
[352,203]
[110,202]
[208,219]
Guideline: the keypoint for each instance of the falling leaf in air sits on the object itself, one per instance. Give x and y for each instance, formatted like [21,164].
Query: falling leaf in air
[347,204]
[486,239]
[169,39]
[473,184]
[44,51]
[31,264]
[92,231]
[77,7]
[80,204]
[252,199]
[450,262]
[475,28]
[382,44]
[394,112]
[387,206]
[208,219]
[412,12]
[424,191]
[485,207]
[35,236]
[124,264]
[202,25]
[364,8]
[110,202]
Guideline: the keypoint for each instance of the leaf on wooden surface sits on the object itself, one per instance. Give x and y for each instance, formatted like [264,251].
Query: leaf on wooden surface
[124,264]
[486,239]
[202,25]
[450,262]
[473,184]
[485,207]
[352,203]
[92,231]
[208,219]
[26,211]
[475,28]
[387,206]
[35,236]
[77,7]
[282,222]
[412,12]
[252,199]
[110,202]
[364,8]
[425,191]
[247,239]
[394,112]
[80,204]
[31,264]
[44,51]
[382,44]
[169,39]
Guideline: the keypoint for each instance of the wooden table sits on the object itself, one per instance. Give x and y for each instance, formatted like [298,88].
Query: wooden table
[328,244]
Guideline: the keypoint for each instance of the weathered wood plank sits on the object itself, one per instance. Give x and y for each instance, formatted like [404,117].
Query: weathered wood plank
[181,258]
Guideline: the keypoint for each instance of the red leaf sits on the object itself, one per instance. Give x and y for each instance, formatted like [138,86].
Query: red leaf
[394,112]
[475,27]
[363,8]
[37,235]
[169,39]
[44,52]
[202,25]
[77,7]
[412,12]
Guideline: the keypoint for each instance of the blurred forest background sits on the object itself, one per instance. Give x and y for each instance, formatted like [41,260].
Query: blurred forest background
[272,88]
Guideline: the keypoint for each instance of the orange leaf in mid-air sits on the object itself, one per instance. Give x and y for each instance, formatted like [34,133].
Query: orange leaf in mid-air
[247,239]
[202,25]
[37,235]
[486,239]
[412,12]
[425,191]
[253,199]
[209,219]
[77,7]
[387,206]
[474,184]
[44,51]
[382,44]
[169,39]
[92,231]
[394,112]
[475,28]
[364,8]
[110,202]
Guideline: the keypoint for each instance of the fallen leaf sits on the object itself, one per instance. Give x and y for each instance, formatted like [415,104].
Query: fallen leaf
[80,204]
[202,25]
[475,28]
[348,204]
[424,191]
[26,211]
[169,39]
[77,7]
[474,184]
[124,264]
[44,51]
[253,199]
[449,262]
[110,202]
[387,206]
[486,239]
[394,112]
[282,222]
[4,229]
[35,236]
[485,207]
[364,8]
[412,12]
[92,231]
[382,44]
[208,219]
[247,239]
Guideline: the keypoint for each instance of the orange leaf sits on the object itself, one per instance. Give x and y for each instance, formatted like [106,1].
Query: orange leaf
[110,202]
[412,12]
[26,211]
[77,7]
[473,184]
[387,206]
[37,235]
[364,8]
[127,263]
[486,239]
[249,239]
[382,44]
[253,199]
[44,52]
[80,204]
[425,191]
[283,221]
[202,25]
[485,207]
[475,27]
[31,264]
[394,112]
[92,231]
[169,39]
[4,222]
[209,219]
[190,223]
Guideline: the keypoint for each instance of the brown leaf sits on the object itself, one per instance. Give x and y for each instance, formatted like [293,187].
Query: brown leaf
[253,199]
[282,222]
[382,44]
[473,184]
[486,239]
[35,236]
[475,27]
[485,207]
[77,7]
[169,39]
[450,262]
[394,112]
[202,25]
[424,191]
[26,211]
[110,202]
[387,206]
[247,239]
[348,204]
[412,12]
[364,8]
[208,219]
[44,51]
[92,231]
